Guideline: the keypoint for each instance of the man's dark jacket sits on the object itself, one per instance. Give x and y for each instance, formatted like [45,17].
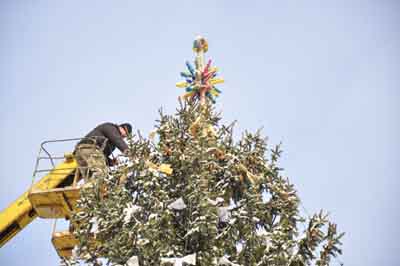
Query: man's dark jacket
[107,137]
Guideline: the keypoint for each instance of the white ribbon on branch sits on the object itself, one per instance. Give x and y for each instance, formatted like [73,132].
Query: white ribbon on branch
[189,259]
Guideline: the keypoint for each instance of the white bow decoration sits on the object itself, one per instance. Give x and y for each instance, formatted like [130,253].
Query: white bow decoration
[226,262]
[178,204]
[189,259]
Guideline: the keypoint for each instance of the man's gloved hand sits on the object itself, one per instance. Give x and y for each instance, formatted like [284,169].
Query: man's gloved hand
[126,153]
[113,162]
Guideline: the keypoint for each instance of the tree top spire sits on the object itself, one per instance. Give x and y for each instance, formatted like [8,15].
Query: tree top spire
[200,79]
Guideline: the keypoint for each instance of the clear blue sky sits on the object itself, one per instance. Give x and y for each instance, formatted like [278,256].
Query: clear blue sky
[323,79]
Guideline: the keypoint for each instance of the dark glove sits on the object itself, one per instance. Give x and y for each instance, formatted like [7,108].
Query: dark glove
[112,162]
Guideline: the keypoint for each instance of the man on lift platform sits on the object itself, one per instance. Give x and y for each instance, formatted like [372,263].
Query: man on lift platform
[93,151]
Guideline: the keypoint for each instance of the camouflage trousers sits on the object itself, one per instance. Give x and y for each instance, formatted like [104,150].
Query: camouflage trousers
[91,161]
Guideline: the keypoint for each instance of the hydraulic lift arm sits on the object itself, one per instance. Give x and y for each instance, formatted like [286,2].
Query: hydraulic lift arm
[20,213]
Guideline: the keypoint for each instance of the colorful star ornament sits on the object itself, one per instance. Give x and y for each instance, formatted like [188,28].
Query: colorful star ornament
[199,81]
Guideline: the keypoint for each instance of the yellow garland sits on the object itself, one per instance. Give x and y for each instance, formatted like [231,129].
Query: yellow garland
[193,128]
[163,168]
[252,178]
[207,131]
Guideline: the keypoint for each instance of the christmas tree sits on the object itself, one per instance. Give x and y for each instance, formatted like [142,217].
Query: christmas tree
[189,194]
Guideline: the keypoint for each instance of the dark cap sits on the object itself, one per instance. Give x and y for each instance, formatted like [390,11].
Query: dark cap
[127,127]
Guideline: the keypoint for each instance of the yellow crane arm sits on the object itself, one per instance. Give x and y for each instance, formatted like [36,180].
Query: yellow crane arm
[20,213]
